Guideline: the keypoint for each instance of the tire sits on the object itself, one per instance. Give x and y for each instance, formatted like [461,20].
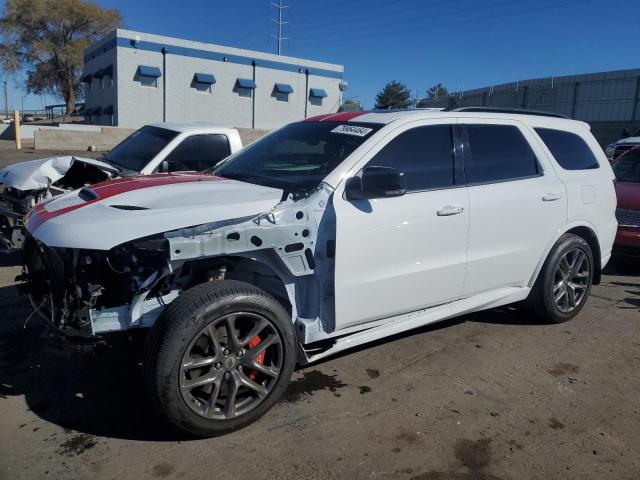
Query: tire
[541,298]
[191,343]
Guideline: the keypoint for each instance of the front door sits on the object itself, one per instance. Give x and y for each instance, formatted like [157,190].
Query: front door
[401,254]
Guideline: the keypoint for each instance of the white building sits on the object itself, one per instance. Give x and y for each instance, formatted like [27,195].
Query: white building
[133,78]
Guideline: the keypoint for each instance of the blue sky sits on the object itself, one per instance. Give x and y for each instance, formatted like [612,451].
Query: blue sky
[460,43]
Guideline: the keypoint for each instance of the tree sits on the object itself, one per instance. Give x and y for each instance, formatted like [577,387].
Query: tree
[437,91]
[393,95]
[47,39]
[350,105]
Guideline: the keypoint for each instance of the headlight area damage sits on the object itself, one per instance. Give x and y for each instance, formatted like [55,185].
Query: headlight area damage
[87,293]
[24,185]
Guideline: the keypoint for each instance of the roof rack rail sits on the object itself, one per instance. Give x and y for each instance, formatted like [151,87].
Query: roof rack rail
[508,110]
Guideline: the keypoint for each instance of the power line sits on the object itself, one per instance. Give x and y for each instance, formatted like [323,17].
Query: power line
[279,24]
[391,31]
[360,17]
[414,19]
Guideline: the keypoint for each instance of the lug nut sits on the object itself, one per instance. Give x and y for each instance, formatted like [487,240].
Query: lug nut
[227,375]
[239,368]
[218,365]
[225,352]
[240,353]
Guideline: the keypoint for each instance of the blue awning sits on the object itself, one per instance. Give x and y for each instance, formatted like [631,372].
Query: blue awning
[284,88]
[246,83]
[86,78]
[88,112]
[146,71]
[317,93]
[108,110]
[97,111]
[204,78]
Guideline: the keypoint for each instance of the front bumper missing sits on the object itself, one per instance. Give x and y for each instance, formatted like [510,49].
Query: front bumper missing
[125,317]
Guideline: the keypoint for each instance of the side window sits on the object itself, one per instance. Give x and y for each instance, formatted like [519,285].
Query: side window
[198,153]
[497,153]
[425,154]
[569,150]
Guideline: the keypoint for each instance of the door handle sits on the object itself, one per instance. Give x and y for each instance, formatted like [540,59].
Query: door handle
[551,197]
[449,210]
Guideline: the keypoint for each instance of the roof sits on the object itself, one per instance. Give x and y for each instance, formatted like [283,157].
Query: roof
[388,116]
[189,127]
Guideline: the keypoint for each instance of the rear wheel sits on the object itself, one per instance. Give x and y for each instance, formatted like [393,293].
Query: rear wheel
[219,357]
[564,283]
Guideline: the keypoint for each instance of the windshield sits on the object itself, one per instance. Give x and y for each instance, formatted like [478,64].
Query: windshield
[627,167]
[297,157]
[139,148]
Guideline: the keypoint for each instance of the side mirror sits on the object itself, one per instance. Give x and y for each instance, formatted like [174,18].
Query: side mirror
[164,166]
[376,182]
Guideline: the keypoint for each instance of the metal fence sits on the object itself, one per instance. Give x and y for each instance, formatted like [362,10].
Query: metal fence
[609,101]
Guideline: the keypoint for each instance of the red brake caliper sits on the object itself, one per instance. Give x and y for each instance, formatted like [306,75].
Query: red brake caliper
[253,343]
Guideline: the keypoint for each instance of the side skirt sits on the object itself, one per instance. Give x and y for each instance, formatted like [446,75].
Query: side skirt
[420,318]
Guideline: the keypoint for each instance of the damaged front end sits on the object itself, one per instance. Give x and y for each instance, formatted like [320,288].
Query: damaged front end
[21,189]
[83,293]
[88,293]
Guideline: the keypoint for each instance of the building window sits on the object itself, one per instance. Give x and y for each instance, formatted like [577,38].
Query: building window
[281,92]
[202,82]
[245,87]
[316,95]
[147,81]
[108,111]
[148,76]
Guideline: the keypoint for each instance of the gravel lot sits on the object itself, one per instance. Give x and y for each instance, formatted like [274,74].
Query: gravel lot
[494,395]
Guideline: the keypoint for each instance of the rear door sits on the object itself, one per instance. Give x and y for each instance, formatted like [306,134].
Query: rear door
[517,204]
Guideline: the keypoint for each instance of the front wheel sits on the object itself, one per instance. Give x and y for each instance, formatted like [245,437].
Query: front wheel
[564,283]
[219,357]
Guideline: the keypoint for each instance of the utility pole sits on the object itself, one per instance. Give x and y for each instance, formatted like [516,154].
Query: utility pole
[6,101]
[279,23]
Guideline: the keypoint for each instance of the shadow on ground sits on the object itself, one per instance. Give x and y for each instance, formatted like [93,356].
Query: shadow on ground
[98,394]
[104,394]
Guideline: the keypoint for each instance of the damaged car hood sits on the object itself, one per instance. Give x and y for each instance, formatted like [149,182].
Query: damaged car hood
[39,174]
[114,212]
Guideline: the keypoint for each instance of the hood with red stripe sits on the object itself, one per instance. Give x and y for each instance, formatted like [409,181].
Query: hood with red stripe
[110,213]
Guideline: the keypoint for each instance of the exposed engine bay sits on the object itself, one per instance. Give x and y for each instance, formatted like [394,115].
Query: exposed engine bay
[86,293]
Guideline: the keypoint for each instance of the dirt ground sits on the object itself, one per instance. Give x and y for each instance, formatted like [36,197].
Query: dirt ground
[494,395]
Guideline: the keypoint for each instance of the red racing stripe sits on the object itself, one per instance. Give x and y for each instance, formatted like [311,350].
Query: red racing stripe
[110,188]
[335,117]
[344,117]
[318,118]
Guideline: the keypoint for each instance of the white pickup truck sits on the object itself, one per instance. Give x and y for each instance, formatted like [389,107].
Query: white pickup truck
[157,148]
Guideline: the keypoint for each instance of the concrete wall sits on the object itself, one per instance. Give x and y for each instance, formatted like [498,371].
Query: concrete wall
[104,138]
[137,105]
[27,131]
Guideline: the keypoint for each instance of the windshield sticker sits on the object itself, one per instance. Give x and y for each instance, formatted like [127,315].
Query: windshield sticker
[352,130]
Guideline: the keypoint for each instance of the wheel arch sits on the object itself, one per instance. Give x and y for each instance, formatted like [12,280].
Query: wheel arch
[260,272]
[585,231]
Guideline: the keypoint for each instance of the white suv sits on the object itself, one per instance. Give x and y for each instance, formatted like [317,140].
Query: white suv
[323,235]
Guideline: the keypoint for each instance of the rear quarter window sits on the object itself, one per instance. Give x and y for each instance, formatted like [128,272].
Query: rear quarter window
[569,149]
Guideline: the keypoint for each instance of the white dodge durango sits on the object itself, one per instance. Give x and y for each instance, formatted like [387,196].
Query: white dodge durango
[323,235]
